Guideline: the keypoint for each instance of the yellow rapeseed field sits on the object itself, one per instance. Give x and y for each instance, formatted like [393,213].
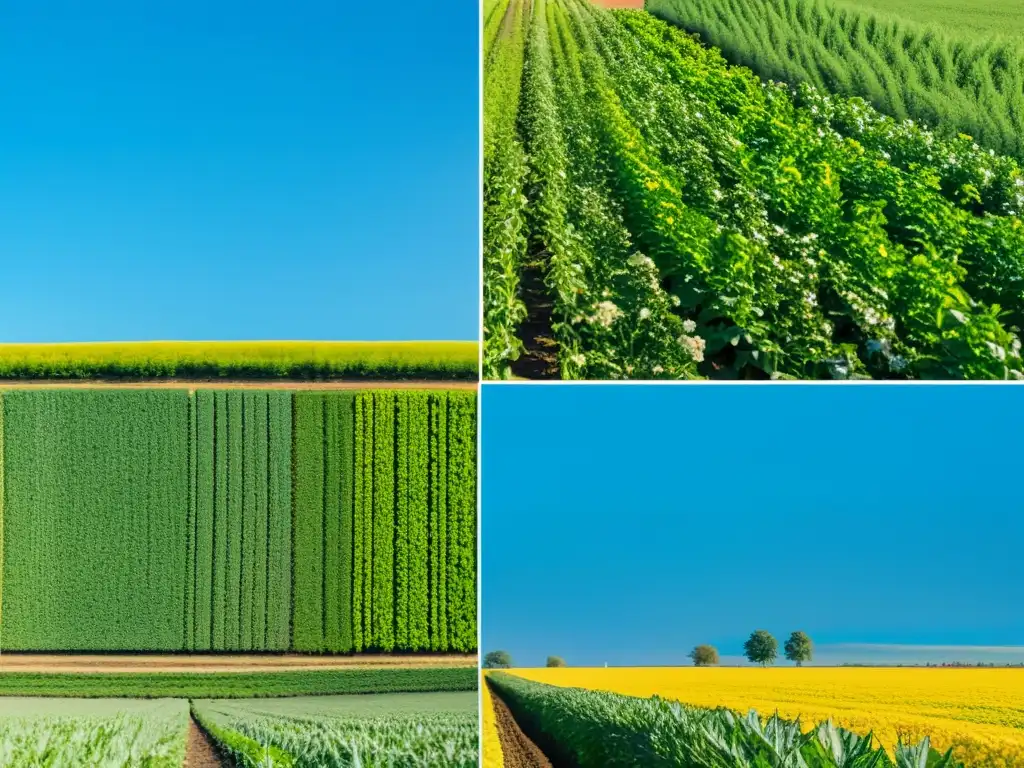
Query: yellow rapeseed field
[489,742]
[978,712]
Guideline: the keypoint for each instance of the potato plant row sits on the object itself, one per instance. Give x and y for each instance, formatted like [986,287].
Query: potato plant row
[238,520]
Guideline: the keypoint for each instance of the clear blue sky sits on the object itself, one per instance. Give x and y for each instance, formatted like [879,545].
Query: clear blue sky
[233,170]
[626,524]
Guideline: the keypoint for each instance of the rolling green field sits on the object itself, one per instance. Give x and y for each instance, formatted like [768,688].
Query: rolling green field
[392,729]
[985,17]
[165,520]
[428,360]
[943,64]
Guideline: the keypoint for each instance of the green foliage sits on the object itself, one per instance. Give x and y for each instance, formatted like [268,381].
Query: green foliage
[935,73]
[704,656]
[761,647]
[497,660]
[151,734]
[695,221]
[596,729]
[227,685]
[95,559]
[798,648]
[434,360]
[555,661]
[244,750]
[348,738]
[263,521]
[242,576]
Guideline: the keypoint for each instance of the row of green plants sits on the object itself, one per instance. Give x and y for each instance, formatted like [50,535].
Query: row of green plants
[597,729]
[154,738]
[953,81]
[424,739]
[430,360]
[241,685]
[239,525]
[694,221]
[166,520]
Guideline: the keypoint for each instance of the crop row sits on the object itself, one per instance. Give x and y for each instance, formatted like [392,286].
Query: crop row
[599,729]
[955,82]
[431,360]
[413,739]
[689,220]
[240,520]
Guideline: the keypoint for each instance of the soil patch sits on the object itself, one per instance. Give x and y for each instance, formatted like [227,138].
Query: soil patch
[200,752]
[230,384]
[17,662]
[539,359]
[517,749]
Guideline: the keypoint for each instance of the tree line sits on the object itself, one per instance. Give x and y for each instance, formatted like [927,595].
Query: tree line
[760,648]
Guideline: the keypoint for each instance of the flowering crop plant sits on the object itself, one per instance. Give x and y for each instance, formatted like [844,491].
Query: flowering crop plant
[652,212]
[976,713]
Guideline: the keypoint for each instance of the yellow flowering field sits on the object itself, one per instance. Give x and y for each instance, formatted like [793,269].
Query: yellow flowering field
[978,712]
[489,741]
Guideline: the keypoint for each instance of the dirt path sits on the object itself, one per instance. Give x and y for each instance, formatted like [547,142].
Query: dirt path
[539,359]
[229,384]
[17,662]
[516,748]
[200,752]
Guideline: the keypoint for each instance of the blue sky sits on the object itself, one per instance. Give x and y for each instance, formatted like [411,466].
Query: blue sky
[626,524]
[237,170]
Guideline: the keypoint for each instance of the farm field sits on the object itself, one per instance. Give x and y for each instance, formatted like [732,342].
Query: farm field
[651,211]
[169,520]
[426,728]
[957,68]
[96,732]
[427,360]
[391,729]
[975,712]
[987,17]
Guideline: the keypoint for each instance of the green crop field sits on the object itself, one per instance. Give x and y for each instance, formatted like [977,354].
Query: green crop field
[428,360]
[393,729]
[652,211]
[250,520]
[97,732]
[957,67]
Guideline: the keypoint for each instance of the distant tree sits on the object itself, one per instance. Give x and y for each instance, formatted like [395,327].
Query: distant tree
[497,660]
[761,648]
[799,648]
[704,656]
[556,661]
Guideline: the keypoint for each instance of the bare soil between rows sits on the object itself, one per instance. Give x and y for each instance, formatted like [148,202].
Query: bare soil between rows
[200,751]
[517,750]
[120,663]
[232,384]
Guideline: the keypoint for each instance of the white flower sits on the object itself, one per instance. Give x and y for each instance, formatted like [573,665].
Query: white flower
[645,313]
[578,359]
[640,260]
[657,370]
[606,314]
[689,326]
[694,345]
[674,300]
[811,299]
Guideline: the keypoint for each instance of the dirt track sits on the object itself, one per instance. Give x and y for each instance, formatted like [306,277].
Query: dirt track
[199,751]
[16,662]
[228,384]
[516,748]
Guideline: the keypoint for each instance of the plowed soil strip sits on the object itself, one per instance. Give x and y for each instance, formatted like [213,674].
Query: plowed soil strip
[200,752]
[516,748]
[14,662]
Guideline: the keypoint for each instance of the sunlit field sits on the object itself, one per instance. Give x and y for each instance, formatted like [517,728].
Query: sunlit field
[978,712]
